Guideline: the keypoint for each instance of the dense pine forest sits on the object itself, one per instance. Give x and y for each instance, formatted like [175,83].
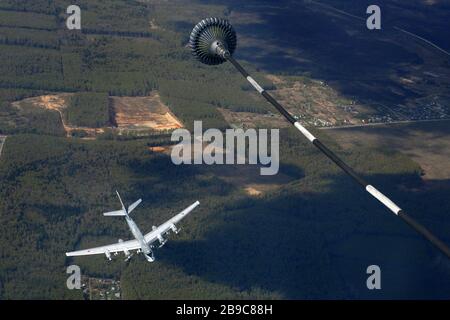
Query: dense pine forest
[287,243]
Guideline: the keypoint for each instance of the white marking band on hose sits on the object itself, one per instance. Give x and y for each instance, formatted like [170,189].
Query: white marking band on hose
[305,132]
[255,84]
[383,199]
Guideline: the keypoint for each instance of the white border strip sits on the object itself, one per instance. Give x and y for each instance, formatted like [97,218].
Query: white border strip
[304,131]
[383,199]
[255,84]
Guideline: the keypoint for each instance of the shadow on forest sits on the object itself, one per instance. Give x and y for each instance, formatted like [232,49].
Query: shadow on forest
[170,181]
[296,38]
[318,245]
[430,136]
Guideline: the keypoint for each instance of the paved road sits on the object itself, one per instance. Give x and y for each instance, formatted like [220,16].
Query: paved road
[381,124]
[395,27]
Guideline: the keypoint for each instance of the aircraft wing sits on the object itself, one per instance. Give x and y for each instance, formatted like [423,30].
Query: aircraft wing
[112,248]
[168,225]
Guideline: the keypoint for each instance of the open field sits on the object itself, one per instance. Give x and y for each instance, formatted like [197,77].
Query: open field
[143,113]
[253,120]
[56,102]
[130,113]
[315,102]
[247,178]
[427,143]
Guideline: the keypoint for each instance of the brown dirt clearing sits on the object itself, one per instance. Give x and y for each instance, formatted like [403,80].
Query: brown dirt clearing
[143,113]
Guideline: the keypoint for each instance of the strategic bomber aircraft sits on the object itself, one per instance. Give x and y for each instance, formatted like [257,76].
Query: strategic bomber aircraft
[142,243]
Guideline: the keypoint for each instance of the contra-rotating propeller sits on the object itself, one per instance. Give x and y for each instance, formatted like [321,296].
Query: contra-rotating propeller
[212,40]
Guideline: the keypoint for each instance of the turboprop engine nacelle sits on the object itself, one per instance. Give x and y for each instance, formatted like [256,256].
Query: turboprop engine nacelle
[125,251]
[161,240]
[174,229]
[108,255]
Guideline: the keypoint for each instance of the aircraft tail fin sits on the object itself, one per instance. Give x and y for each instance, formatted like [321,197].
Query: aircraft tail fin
[120,199]
[123,211]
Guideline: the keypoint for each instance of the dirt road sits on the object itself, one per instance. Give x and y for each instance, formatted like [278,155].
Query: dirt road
[2,142]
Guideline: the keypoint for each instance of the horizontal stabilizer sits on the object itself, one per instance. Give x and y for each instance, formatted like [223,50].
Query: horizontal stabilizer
[134,205]
[117,213]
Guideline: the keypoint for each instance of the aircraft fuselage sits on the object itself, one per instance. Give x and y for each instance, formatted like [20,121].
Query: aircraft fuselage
[139,237]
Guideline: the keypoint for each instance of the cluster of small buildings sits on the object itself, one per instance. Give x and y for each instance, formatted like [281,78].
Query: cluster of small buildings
[100,289]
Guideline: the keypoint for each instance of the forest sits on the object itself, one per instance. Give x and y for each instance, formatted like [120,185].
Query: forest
[287,243]
[105,57]
[54,190]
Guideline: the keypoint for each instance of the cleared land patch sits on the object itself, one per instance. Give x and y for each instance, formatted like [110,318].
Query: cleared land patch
[57,102]
[143,113]
[253,120]
[314,102]
[131,114]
